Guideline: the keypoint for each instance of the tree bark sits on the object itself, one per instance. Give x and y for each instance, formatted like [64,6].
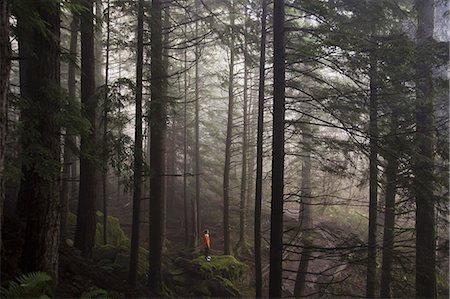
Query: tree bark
[137,180]
[276,217]
[5,66]
[157,163]
[226,172]
[69,157]
[424,161]
[306,223]
[105,130]
[24,32]
[41,145]
[185,200]
[389,214]
[197,128]
[259,153]
[243,197]
[89,174]
[373,178]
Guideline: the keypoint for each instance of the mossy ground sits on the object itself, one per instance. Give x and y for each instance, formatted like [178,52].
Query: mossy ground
[115,255]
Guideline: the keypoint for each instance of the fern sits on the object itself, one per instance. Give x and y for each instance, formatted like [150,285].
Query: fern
[30,285]
[95,293]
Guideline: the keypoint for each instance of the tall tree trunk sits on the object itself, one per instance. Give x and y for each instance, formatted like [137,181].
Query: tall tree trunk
[423,168]
[226,172]
[70,139]
[259,153]
[252,107]
[197,127]
[243,197]
[185,200]
[306,223]
[137,180]
[99,81]
[157,163]
[105,130]
[389,214]
[24,32]
[42,137]
[171,165]
[276,220]
[373,179]
[89,174]
[5,66]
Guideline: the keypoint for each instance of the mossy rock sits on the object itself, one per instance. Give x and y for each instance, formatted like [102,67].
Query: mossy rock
[223,287]
[69,242]
[226,266]
[114,233]
[104,252]
[201,289]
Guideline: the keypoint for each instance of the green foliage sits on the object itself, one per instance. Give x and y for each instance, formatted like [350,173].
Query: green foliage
[30,285]
[116,253]
[95,293]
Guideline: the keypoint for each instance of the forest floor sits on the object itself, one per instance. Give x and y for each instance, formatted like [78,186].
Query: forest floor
[332,273]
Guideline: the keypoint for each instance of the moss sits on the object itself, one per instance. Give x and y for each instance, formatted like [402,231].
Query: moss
[114,233]
[228,286]
[69,242]
[226,266]
[201,289]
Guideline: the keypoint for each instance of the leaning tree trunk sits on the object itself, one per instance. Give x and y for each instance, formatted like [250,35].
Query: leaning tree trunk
[89,174]
[423,168]
[259,153]
[42,137]
[226,172]
[276,220]
[137,180]
[157,163]
[5,66]
[373,179]
[389,214]
[306,222]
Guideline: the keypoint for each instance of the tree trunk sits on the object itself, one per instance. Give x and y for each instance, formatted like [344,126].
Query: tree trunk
[423,168]
[276,220]
[373,178]
[137,181]
[70,139]
[24,32]
[389,214]
[197,128]
[157,163]
[105,131]
[243,197]
[42,135]
[86,222]
[259,153]
[306,223]
[5,66]
[226,172]
[185,200]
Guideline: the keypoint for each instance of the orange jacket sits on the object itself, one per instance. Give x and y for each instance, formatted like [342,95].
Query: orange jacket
[206,241]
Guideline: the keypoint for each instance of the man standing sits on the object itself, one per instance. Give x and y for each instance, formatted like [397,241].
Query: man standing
[207,245]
